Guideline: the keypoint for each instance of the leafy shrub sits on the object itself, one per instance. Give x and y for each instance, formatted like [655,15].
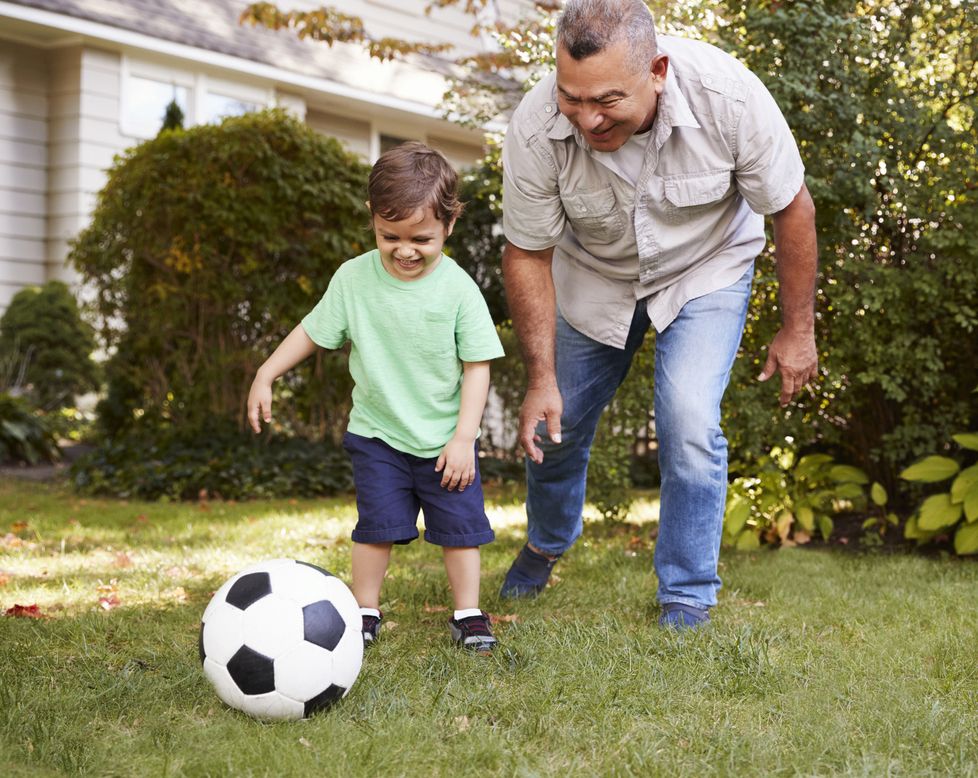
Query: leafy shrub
[477,241]
[888,138]
[206,248]
[954,511]
[24,436]
[789,498]
[221,463]
[46,348]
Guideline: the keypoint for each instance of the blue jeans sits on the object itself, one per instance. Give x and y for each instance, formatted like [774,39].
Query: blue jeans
[693,359]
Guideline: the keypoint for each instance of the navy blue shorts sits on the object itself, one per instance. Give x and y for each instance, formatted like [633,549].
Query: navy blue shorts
[393,486]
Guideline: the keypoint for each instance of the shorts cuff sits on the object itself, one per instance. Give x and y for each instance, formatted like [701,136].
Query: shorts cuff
[459,541]
[393,535]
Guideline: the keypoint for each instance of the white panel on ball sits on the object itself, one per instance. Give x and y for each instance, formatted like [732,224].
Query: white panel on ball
[272,626]
[224,632]
[305,671]
[275,706]
[224,684]
[301,583]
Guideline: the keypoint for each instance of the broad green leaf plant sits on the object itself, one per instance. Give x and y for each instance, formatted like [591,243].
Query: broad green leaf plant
[954,511]
[790,498]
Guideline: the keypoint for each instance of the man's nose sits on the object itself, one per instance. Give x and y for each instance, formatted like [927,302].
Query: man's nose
[591,118]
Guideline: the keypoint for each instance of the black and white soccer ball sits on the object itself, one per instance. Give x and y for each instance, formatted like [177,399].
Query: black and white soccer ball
[282,640]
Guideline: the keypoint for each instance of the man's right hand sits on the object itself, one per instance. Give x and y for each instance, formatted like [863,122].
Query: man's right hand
[544,404]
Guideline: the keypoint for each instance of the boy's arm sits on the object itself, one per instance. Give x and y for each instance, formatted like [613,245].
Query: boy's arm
[458,457]
[290,352]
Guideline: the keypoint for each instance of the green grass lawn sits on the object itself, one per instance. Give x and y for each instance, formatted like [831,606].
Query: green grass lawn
[818,663]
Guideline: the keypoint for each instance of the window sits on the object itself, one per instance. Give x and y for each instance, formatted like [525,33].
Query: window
[388,142]
[146,102]
[218,106]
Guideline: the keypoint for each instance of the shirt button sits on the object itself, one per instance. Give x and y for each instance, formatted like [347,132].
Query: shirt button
[549,109]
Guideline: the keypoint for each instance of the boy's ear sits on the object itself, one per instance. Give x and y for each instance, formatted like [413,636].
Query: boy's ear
[451,226]
[367,203]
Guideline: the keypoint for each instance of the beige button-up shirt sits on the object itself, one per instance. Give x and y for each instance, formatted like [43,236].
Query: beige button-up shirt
[719,156]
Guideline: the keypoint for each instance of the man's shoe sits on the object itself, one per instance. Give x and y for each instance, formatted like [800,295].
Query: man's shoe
[528,574]
[678,615]
[371,627]
[473,633]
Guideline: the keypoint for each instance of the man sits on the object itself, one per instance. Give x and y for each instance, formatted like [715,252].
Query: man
[635,182]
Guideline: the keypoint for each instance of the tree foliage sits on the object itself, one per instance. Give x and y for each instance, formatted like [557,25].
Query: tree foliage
[881,96]
[206,248]
[46,348]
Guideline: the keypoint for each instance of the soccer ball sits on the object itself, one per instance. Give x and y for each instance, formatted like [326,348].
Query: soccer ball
[282,640]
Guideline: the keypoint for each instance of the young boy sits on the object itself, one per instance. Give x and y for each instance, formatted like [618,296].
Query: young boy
[421,340]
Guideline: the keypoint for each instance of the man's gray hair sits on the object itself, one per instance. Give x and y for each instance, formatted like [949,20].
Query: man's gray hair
[587,27]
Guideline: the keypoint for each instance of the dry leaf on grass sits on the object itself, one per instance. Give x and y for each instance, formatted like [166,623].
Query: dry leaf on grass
[24,612]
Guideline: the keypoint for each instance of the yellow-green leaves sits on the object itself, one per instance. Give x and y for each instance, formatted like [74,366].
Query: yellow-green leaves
[931,470]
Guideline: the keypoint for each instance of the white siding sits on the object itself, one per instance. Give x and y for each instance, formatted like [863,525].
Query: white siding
[23,166]
[352,133]
[84,138]
[461,155]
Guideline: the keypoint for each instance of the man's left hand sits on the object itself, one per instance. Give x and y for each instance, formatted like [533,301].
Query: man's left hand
[793,355]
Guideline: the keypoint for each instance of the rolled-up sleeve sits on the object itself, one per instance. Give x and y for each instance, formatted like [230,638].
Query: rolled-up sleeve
[533,215]
[769,169]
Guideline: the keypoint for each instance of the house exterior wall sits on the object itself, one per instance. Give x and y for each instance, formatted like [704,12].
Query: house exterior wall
[63,117]
[23,168]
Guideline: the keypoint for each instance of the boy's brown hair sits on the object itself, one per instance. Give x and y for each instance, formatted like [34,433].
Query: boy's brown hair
[413,176]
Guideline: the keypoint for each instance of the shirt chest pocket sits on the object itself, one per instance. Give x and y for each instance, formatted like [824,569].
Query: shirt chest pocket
[436,336]
[594,214]
[691,194]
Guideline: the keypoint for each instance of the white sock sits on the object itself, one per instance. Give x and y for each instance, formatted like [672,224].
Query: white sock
[370,612]
[465,613]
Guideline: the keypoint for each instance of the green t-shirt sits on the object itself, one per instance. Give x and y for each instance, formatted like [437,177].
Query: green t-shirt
[408,341]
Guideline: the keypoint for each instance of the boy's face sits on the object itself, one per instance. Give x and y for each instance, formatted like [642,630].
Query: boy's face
[410,248]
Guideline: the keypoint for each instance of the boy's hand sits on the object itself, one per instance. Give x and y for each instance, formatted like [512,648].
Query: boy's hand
[259,403]
[457,460]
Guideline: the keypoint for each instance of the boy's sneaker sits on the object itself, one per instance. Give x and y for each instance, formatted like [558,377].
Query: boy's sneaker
[371,626]
[473,633]
[528,575]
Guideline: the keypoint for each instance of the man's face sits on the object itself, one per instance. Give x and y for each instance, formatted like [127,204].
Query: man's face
[605,98]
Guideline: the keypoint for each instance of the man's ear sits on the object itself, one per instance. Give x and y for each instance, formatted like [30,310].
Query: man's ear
[660,66]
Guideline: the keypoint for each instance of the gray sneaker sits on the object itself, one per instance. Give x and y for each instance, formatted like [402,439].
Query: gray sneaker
[371,627]
[473,633]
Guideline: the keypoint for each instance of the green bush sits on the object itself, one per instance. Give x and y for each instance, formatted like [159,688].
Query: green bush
[206,248]
[218,462]
[954,512]
[477,241]
[46,348]
[788,498]
[885,121]
[24,436]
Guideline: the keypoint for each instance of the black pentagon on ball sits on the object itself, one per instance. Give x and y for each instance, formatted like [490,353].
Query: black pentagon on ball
[322,624]
[324,699]
[327,573]
[254,673]
[249,589]
[200,643]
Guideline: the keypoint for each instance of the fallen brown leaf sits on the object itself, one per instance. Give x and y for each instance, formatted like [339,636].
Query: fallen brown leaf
[24,612]
[508,618]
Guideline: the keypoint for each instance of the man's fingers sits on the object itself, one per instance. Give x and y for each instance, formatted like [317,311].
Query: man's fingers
[553,428]
[770,366]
